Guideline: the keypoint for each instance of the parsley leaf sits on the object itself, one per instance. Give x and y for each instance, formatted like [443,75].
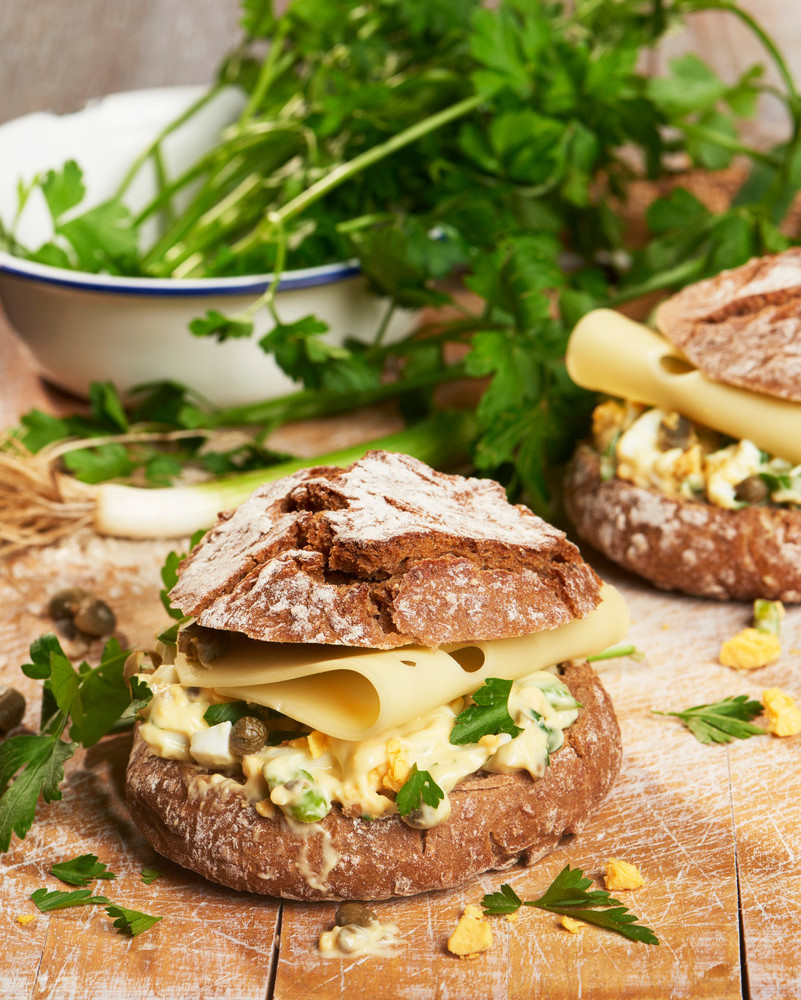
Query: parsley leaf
[215,324]
[43,757]
[225,711]
[489,715]
[59,900]
[32,765]
[567,895]
[131,922]
[419,788]
[141,696]
[721,721]
[81,870]
[499,903]
[63,189]
[149,875]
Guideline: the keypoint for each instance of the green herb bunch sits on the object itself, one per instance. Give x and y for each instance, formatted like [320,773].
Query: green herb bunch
[439,139]
[84,704]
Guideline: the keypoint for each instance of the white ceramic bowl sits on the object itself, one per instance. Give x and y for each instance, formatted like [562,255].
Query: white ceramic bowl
[84,327]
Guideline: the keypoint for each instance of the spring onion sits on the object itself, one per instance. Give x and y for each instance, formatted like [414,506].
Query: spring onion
[138,512]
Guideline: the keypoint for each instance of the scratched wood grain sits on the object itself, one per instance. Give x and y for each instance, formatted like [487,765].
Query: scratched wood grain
[711,828]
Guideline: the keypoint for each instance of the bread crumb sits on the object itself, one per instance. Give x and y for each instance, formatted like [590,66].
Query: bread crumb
[665,626]
[472,935]
[782,713]
[750,649]
[572,925]
[23,919]
[622,875]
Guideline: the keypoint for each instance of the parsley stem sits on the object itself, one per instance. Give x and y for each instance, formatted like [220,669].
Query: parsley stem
[345,171]
[175,124]
[794,100]
[681,274]
[727,142]
[267,73]
[310,403]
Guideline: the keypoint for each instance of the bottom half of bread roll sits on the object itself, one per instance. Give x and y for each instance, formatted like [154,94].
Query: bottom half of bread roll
[687,545]
[203,821]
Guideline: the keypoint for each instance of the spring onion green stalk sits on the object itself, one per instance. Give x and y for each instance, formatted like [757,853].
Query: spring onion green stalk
[614,652]
[768,616]
[135,512]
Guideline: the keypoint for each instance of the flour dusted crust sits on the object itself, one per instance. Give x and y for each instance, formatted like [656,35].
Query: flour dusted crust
[497,821]
[743,327]
[696,548]
[384,553]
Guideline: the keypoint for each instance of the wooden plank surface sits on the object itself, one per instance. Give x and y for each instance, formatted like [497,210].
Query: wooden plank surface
[711,828]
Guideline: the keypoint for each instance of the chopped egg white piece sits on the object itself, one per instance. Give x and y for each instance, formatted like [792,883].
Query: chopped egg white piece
[210,747]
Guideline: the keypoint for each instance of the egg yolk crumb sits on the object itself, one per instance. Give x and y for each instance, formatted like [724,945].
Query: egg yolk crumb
[472,935]
[572,925]
[750,649]
[782,713]
[622,875]
[26,918]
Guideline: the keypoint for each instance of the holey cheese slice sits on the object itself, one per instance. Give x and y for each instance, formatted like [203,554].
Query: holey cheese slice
[609,353]
[352,693]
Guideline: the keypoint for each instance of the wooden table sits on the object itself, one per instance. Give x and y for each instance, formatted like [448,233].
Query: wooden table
[715,830]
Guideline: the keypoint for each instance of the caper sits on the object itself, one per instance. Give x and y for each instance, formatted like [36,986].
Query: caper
[356,914]
[12,708]
[426,816]
[752,489]
[675,431]
[63,603]
[202,644]
[94,617]
[66,628]
[248,735]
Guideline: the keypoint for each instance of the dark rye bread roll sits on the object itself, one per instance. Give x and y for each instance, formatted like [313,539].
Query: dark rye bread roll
[696,548]
[382,554]
[743,327]
[497,820]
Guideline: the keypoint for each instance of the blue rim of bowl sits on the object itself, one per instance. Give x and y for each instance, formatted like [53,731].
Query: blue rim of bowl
[254,284]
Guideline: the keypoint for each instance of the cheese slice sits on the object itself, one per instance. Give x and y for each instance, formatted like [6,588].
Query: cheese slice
[609,353]
[352,694]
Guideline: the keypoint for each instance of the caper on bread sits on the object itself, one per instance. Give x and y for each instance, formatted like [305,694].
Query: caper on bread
[368,699]
[692,475]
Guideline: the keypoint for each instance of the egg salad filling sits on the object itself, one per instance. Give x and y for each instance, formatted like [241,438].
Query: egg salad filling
[281,766]
[663,450]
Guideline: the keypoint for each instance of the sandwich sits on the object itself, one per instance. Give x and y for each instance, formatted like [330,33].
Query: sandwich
[692,475]
[379,688]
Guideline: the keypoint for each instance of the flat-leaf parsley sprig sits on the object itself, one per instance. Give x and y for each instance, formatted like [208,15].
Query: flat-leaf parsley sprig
[489,715]
[85,702]
[81,870]
[419,788]
[567,895]
[721,721]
